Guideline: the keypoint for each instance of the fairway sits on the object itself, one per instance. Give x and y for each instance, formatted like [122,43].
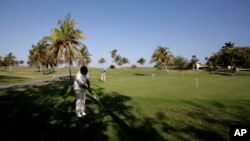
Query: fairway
[179,105]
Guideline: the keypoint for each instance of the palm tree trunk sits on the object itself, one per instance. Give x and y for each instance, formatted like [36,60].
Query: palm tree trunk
[40,67]
[166,68]
[70,76]
[70,72]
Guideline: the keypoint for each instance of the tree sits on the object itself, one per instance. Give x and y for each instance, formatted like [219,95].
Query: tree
[9,60]
[21,62]
[124,60]
[162,57]
[213,60]
[38,54]
[101,61]
[1,61]
[226,55]
[121,60]
[66,40]
[194,61]
[84,57]
[113,53]
[180,62]
[230,55]
[243,57]
[117,59]
[141,61]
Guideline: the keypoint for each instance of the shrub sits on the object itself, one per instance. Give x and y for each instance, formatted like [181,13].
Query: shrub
[133,67]
[112,67]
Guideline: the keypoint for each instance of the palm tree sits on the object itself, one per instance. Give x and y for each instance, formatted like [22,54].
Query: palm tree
[141,61]
[51,61]
[194,61]
[113,53]
[101,61]
[38,54]
[66,40]
[227,52]
[9,60]
[124,60]
[117,58]
[83,57]
[162,57]
[228,45]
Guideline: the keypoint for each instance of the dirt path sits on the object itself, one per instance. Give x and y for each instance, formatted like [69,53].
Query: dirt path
[32,83]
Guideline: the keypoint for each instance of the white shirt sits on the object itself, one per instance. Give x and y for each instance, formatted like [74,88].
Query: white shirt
[82,79]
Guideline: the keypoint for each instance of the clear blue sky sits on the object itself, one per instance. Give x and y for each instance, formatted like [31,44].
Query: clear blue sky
[134,27]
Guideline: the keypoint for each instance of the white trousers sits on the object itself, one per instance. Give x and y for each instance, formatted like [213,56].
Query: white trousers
[103,77]
[80,100]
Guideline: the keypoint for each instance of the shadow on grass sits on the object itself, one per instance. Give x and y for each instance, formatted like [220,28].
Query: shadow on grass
[8,79]
[140,74]
[47,113]
[227,73]
[223,73]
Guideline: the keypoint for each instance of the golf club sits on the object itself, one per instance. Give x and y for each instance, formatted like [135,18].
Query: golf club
[93,96]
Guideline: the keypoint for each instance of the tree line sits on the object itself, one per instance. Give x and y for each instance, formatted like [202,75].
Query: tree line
[64,46]
[162,57]
[230,55]
[9,60]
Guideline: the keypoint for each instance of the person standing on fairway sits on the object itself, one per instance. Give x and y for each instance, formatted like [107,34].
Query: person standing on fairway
[103,74]
[81,84]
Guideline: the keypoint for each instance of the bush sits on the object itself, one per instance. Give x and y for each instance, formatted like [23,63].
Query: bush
[112,67]
[133,67]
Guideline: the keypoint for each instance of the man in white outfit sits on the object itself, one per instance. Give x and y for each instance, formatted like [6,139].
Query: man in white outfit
[81,84]
[103,75]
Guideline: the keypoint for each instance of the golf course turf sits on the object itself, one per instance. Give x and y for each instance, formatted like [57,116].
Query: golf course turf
[179,105]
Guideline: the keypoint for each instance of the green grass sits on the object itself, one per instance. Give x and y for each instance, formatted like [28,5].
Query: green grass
[166,107]
[26,74]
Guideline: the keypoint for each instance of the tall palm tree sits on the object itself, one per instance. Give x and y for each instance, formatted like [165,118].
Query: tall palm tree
[9,60]
[162,57]
[66,40]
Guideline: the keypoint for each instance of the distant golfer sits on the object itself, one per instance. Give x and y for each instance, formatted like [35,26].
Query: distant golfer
[103,74]
[81,84]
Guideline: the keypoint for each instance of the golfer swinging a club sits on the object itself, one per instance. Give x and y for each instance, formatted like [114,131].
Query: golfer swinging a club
[81,84]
